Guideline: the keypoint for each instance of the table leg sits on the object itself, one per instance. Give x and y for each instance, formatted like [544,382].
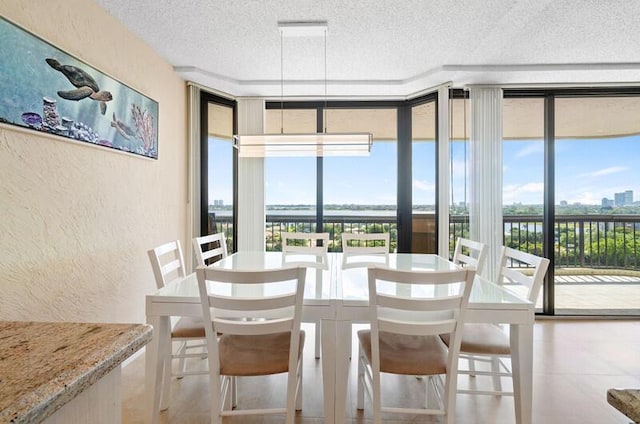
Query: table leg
[154,365]
[522,367]
[328,343]
[343,355]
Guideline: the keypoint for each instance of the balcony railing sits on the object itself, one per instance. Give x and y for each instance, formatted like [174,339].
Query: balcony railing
[334,225]
[581,241]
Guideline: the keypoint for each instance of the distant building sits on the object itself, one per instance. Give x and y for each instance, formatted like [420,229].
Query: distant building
[563,203]
[624,198]
[218,203]
[607,202]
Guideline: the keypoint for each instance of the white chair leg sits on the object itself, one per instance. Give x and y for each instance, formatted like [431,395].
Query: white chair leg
[292,380]
[472,367]
[234,392]
[360,392]
[427,391]
[376,399]
[317,345]
[495,369]
[166,384]
[182,364]
[450,389]
[349,341]
[299,383]
[216,407]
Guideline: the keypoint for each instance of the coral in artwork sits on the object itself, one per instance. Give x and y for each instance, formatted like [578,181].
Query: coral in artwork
[145,130]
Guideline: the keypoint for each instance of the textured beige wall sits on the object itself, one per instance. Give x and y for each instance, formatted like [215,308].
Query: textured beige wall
[76,221]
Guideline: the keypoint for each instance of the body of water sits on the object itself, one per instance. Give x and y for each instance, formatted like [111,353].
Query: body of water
[327,212]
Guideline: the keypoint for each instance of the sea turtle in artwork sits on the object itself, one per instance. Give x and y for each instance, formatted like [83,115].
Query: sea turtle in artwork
[122,128]
[86,85]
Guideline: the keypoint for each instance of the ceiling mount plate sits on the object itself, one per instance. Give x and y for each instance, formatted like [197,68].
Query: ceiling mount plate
[303,28]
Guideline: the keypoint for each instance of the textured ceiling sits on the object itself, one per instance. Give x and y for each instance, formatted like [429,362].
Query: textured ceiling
[388,47]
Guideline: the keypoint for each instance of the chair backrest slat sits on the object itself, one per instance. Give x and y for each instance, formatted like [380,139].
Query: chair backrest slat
[250,303]
[435,328]
[369,243]
[309,243]
[400,303]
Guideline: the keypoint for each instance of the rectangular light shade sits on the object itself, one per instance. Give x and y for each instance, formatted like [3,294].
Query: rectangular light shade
[321,144]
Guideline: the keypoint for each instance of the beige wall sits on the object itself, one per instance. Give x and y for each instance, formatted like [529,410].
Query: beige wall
[76,221]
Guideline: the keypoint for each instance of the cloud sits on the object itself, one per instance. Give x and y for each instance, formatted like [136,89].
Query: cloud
[606,171]
[423,185]
[530,149]
[528,193]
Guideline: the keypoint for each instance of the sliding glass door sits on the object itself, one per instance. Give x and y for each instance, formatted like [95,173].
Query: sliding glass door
[523,176]
[597,213]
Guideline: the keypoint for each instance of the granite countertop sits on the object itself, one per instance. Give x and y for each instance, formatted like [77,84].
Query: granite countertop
[44,365]
[626,401]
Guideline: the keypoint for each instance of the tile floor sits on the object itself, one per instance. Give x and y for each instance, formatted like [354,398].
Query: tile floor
[575,362]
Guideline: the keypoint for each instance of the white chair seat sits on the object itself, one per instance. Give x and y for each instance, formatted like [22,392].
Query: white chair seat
[483,339]
[188,327]
[408,355]
[255,355]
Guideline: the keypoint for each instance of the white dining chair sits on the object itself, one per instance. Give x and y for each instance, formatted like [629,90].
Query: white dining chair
[361,250]
[209,249]
[297,244]
[404,336]
[167,263]
[254,335]
[470,253]
[488,343]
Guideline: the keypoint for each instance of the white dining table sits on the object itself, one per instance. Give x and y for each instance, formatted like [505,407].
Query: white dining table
[336,293]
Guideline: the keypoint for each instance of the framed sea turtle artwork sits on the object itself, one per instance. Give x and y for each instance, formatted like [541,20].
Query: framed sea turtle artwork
[45,89]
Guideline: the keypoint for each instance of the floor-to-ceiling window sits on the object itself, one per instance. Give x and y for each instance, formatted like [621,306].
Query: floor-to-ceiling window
[360,193]
[423,179]
[597,213]
[459,167]
[218,167]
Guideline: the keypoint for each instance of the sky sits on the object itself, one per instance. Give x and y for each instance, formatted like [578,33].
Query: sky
[586,171]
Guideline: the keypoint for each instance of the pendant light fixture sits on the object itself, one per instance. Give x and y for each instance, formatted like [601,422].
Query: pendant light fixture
[309,144]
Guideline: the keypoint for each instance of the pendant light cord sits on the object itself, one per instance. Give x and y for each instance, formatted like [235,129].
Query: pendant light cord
[281,83]
[466,145]
[325,81]
[451,138]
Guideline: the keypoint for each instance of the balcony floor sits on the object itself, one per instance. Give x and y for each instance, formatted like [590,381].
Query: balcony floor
[596,294]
